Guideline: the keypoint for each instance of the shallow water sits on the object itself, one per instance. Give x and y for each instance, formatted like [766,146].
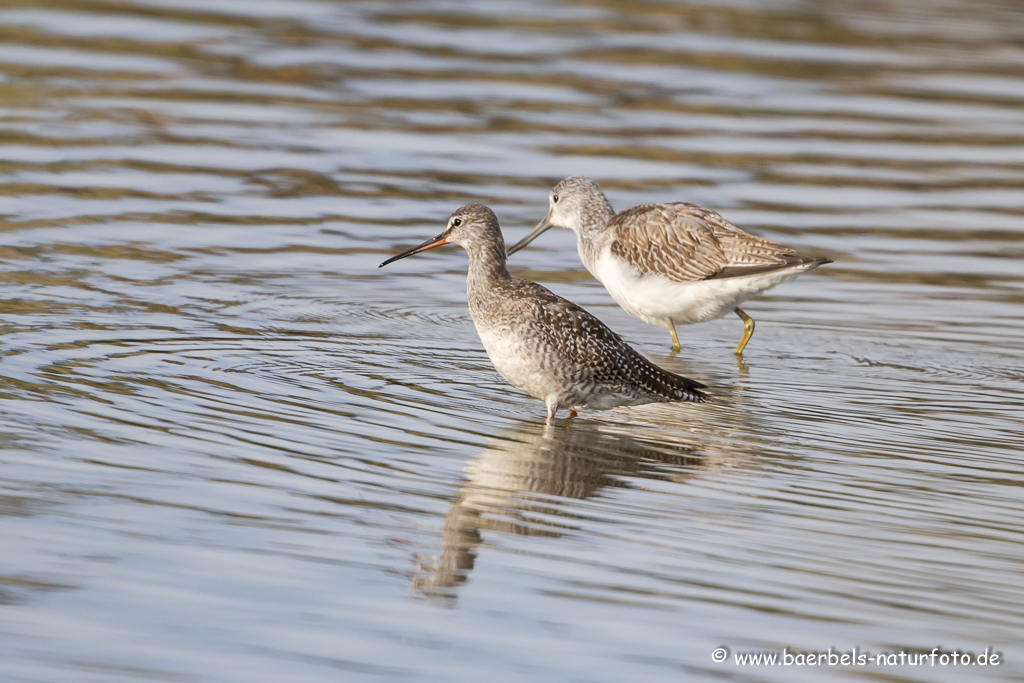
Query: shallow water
[235,450]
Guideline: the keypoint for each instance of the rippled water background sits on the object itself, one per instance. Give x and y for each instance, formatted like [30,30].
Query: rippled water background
[235,450]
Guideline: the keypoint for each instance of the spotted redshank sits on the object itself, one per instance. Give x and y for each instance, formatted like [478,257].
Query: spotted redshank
[672,263]
[543,344]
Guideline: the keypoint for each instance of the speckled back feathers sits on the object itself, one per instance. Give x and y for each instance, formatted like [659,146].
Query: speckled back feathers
[567,340]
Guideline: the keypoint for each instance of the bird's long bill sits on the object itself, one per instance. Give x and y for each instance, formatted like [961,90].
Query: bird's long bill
[432,243]
[534,234]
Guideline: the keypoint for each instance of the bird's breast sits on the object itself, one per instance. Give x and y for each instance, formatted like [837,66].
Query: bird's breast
[519,356]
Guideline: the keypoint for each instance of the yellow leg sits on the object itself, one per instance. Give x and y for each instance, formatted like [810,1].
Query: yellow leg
[748,331]
[573,413]
[675,340]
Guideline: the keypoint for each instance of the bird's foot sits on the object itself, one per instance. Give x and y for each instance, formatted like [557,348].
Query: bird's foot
[676,348]
[748,331]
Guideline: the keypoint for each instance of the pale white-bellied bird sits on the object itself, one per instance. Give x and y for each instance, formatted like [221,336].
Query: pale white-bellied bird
[671,263]
[543,344]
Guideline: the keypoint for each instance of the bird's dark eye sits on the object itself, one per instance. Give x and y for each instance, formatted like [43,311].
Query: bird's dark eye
[554,198]
[457,222]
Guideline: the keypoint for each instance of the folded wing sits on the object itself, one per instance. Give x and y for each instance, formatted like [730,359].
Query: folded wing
[686,243]
[586,342]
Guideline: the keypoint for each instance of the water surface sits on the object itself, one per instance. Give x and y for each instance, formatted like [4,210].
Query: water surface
[235,450]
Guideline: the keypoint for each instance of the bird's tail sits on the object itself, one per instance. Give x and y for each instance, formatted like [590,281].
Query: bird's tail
[672,387]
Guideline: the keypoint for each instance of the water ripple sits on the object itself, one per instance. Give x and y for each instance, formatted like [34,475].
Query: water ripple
[234,449]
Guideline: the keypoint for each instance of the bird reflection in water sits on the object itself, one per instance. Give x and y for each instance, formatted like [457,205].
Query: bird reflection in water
[514,484]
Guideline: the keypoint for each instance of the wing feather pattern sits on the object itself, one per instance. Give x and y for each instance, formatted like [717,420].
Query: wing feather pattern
[586,342]
[687,243]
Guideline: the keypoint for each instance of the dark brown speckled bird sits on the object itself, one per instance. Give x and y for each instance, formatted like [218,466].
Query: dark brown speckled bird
[543,344]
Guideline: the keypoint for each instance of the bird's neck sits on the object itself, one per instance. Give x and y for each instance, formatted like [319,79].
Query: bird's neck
[594,217]
[486,264]
[591,230]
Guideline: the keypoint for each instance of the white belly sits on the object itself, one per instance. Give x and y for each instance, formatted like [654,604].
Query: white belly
[655,299]
[536,369]
[519,364]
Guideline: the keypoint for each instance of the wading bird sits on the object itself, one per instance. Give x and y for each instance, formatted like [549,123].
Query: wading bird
[671,263]
[543,344]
